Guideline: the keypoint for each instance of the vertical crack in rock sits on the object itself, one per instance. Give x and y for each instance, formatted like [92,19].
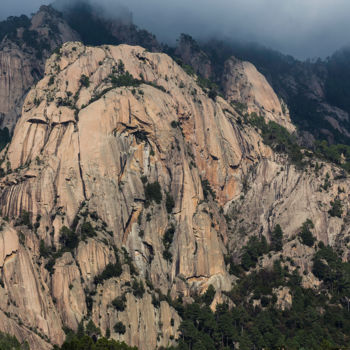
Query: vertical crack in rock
[80,167]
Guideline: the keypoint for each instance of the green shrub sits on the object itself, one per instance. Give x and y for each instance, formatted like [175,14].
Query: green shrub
[125,79]
[252,251]
[138,288]
[25,220]
[87,231]
[278,138]
[43,249]
[153,192]
[84,81]
[68,238]
[207,189]
[306,236]
[209,295]
[119,328]
[174,124]
[9,342]
[336,208]
[167,241]
[111,270]
[91,329]
[169,203]
[167,255]
[276,239]
[169,236]
[119,303]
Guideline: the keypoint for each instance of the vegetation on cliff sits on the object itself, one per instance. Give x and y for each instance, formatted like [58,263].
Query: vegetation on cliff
[316,319]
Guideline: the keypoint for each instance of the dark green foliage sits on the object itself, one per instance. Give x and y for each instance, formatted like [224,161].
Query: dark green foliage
[125,79]
[43,249]
[141,136]
[207,189]
[8,342]
[326,185]
[159,87]
[276,239]
[209,295]
[128,261]
[119,303]
[68,238]
[167,241]
[138,288]
[25,219]
[144,179]
[169,236]
[336,153]
[87,231]
[169,203]
[51,80]
[310,323]
[11,24]
[111,270]
[90,339]
[334,273]
[208,86]
[91,329]
[69,242]
[108,333]
[336,208]
[167,255]
[84,81]
[174,124]
[252,251]
[306,235]
[153,192]
[278,138]
[5,138]
[212,94]
[119,328]
[240,107]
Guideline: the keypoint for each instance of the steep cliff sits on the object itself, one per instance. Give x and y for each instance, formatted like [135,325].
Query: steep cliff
[126,185]
[98,134]
[23,53]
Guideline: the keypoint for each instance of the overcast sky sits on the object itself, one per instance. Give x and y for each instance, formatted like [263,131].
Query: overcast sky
[303,28]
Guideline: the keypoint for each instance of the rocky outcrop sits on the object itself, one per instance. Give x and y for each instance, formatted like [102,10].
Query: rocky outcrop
[191,54]
[85,145]
[22,60]
[243,83]
[137,184]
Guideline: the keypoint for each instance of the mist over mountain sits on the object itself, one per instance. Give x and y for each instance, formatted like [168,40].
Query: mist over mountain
[304,29]
[183,191]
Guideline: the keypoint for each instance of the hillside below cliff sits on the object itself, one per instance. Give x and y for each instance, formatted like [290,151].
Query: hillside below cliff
[130,192]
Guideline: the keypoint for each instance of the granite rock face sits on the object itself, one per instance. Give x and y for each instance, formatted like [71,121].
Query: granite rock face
[22,60]
[121,161]
[244,84]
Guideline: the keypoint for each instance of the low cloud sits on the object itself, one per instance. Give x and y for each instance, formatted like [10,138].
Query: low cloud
[303,28]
